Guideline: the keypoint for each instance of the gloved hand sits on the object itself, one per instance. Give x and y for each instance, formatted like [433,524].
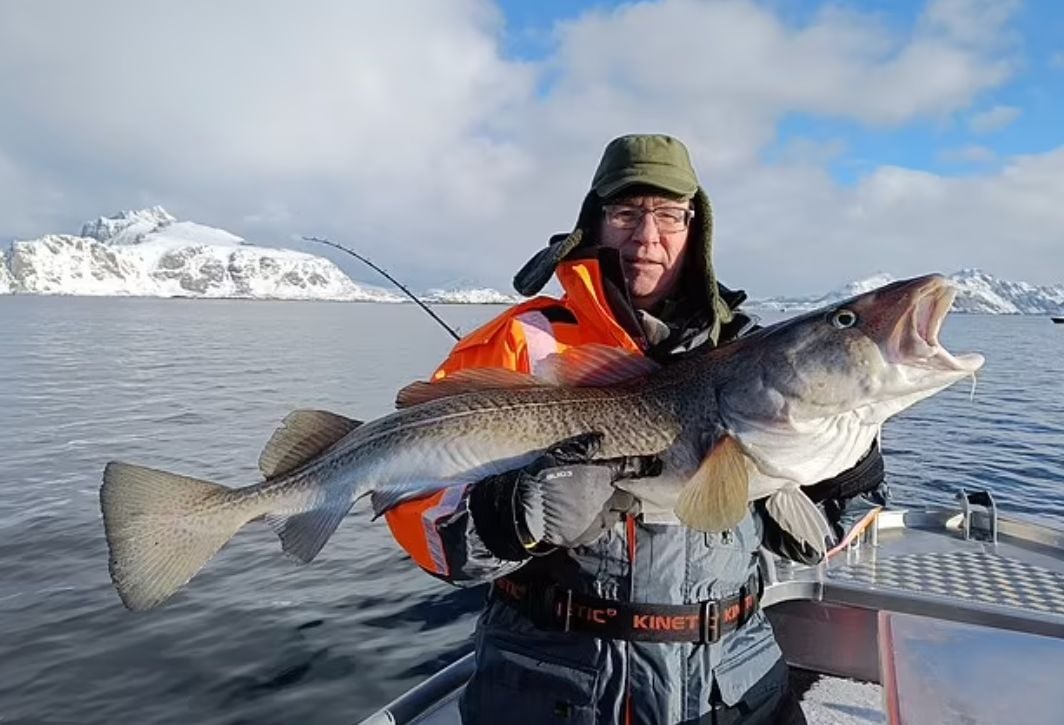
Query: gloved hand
[568,499]
[565,498]
[864,479]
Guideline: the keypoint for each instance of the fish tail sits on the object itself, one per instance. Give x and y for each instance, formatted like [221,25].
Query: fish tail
[161,529]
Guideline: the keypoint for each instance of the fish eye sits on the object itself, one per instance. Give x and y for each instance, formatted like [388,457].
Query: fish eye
[842,319]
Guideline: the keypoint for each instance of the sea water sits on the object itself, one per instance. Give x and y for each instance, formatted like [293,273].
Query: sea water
[197,387]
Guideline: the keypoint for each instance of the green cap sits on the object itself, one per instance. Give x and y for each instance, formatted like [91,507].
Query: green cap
[645,159]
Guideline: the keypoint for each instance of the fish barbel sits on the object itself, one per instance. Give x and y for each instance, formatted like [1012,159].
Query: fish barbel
[784,407]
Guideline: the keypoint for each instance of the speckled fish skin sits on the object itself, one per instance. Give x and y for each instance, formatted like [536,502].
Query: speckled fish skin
[463,438]
[803,399]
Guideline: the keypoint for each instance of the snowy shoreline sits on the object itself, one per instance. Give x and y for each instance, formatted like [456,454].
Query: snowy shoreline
[149,253]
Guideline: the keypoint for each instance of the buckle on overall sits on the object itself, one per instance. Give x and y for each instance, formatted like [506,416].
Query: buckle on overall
[567,602]
[557,605]
[710,624]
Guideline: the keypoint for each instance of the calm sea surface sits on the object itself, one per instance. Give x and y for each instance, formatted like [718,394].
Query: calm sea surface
[197,387]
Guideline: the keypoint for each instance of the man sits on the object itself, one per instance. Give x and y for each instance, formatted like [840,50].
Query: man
[637,275]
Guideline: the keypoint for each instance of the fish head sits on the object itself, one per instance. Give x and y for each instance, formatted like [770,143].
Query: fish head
[874,355]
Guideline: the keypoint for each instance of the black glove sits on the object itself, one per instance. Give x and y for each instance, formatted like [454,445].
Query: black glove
[565,498]
[866,478]
[779,542]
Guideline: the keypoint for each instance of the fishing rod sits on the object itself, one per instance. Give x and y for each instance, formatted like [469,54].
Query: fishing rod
[393,280]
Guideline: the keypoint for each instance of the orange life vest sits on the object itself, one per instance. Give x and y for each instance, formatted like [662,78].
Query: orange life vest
[517,340]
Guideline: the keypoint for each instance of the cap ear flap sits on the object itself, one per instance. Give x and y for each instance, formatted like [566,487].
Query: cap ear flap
[699,264]
[704,217]
[537,271]
[706,278]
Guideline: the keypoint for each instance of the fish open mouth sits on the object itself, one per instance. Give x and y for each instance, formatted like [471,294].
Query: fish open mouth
[914,339]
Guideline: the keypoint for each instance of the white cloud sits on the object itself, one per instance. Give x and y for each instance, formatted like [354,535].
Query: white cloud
[372,121]
[736,68]
[993,119]
[1056,60]
[402,130]
[817,234]
[968,154]
[979,23]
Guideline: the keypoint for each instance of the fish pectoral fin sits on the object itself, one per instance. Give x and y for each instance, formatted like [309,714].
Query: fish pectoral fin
[161,529]
[715,499]
[303,434]
[464,381]
[384,499]
[800,517]
[303,535]
[594,365]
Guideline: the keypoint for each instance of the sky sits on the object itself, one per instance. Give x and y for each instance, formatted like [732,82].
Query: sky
[448,139]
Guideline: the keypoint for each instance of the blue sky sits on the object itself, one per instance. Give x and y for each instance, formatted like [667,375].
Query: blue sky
[1036,91]
[530,25]
[448,139]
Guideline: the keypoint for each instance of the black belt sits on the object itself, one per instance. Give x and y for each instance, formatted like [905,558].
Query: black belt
[550,606]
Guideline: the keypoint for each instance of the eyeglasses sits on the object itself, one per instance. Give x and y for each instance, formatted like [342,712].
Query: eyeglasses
[668,219]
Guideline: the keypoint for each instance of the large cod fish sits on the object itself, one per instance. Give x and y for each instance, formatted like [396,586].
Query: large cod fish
[787,406]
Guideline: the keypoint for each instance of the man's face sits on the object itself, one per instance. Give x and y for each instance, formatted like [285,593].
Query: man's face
[652,252]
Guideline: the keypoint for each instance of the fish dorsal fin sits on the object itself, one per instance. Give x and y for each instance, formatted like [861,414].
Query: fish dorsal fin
[591,365]
[715,499]
[594,366]
[464,381]
[303,434]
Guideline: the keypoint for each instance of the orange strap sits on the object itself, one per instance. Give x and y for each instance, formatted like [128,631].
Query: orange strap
[414,525]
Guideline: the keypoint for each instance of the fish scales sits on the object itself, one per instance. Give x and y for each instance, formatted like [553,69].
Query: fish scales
[782,408]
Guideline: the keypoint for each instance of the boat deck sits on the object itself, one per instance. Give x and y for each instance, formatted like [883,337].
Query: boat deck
[965,565]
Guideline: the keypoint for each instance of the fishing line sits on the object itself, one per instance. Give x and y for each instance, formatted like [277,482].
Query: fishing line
[393,280]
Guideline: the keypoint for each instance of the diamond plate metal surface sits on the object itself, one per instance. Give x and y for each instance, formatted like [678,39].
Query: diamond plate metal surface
[969,575]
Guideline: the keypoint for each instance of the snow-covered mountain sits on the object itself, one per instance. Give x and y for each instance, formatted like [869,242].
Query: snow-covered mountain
[474,296]
[977,292]
[150,253]
[7,285]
